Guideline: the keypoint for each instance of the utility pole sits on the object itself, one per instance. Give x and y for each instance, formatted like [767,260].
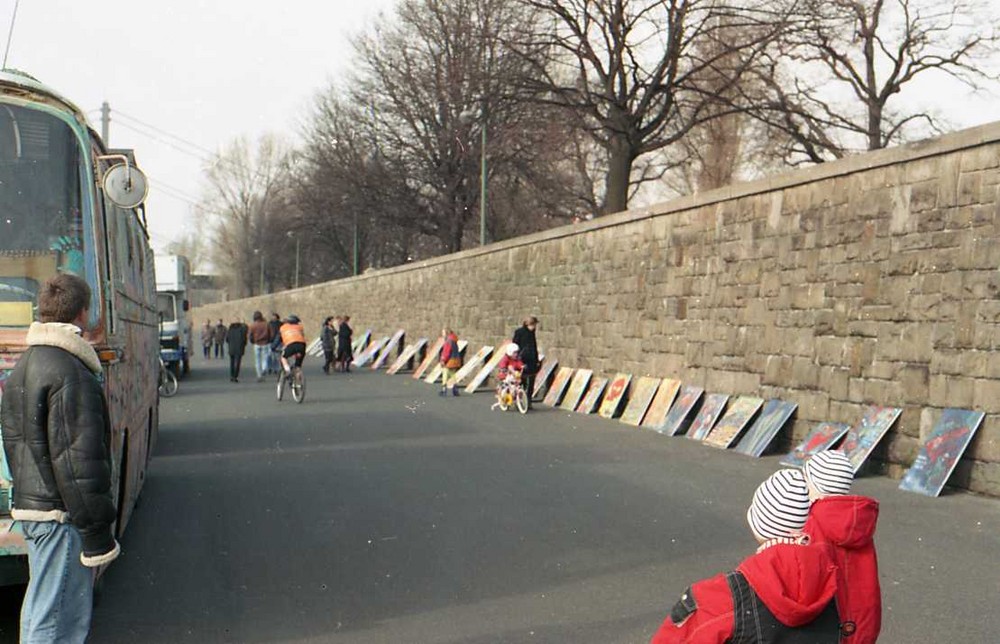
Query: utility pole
[105,123]
[262,272]
[482,188]
[355,242]
[297,240]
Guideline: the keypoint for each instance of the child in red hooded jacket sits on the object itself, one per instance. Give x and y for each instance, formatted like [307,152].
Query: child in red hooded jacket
[844,525]
[784,593]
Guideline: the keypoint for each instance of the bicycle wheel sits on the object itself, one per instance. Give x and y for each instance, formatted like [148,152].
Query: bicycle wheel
[503,399]
[168,383]
[298,385]
[521,399]
[281,385]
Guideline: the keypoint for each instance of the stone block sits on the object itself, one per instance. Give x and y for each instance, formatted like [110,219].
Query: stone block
[970,189]
[981,158]
[986,395]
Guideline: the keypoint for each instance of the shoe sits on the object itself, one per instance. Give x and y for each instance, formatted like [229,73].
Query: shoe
[454,392]
[443,393]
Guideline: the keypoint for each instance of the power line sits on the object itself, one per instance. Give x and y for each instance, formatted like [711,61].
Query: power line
[10,34]
[166,142]
[205,150]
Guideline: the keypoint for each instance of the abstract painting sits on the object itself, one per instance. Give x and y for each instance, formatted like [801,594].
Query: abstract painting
[593,396]
[576,389]
[473,364]
[488,369]
[429,359]
[686,401]
[407,355]
[940,453]
[656,417]
[710,411]
[615,395]
[772,418]
[369,353]
[731,425]
[558,388]
[863,437]
[642,395]
[542,377]
[823,436]
[392,345]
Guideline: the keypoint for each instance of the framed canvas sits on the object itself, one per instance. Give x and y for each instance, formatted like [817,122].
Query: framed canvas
[681,409]
[656,417]
[863,437]
[593,396]
[408,354]
[823,436]
[429,359]
[734,421]
[638,403]
[558,388]
[488,368]
[368,354]
[576,389]
[542,377]
[315,348]
[473,364]
[615,395]
[772,418]
[939,454]
[387,350]
[710,411]
[361,341]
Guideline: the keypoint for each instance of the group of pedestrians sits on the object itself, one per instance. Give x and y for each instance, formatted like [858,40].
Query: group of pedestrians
[336,338]
[523,345]
[213,339]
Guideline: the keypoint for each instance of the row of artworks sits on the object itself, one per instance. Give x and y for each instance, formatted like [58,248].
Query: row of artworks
[747,424]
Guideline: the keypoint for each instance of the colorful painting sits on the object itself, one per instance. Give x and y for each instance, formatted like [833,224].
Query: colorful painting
[710,411]
[361,341]
[688,397]
[576,389]
[559,385]
[734,421]
[438,371]
[473,363]
[391,346]
[863,437]
[642,395]
[542,378]
[940,453]
[615,395]
[656,417]
[369,353]
[488,369]
[823,436]
[430,358]
[408,353]
[315,348]
[593,396]
[760,435]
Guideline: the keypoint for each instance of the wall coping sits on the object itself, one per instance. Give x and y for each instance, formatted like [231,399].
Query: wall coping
[933,147]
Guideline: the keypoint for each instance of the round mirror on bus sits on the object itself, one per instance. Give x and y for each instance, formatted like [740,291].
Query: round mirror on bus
[125,186]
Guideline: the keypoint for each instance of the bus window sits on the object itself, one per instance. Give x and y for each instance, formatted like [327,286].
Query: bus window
[166,307]
[42,229]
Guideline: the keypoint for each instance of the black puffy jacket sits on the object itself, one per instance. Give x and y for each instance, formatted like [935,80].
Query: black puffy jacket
[57,437]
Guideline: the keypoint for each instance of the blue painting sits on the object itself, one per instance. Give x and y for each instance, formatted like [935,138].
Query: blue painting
[710,411]
[686,400]
[939,455]
[863,437]
[760,435]
[823,436]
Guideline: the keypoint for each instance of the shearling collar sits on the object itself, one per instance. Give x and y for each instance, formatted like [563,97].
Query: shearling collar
[65,337]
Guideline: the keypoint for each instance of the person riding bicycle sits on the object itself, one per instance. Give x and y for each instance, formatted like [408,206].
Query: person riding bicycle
[293,337]
[511,366]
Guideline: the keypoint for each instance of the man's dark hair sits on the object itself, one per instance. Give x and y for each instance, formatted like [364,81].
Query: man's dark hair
[62,298]
[258,316]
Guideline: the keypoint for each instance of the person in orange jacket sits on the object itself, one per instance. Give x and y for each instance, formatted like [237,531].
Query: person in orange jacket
[293,337]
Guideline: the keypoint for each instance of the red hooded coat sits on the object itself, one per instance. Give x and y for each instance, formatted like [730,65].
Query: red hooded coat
[845,527]
[796,584]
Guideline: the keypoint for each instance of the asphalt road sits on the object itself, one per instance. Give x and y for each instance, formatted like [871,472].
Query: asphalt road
[378,512]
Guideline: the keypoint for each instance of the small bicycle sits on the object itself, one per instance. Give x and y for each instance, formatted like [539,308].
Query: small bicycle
[168,381]
[511,393]
[295,378]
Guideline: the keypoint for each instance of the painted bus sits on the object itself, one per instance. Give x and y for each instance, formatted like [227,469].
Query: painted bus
[68,204]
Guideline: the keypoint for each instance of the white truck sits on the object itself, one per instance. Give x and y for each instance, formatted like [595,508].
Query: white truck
[173,274]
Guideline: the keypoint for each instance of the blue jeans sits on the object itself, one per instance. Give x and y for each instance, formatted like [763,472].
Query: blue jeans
[60,596]
[262,358]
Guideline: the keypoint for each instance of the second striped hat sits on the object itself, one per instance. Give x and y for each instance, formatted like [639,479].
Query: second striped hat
[780,506]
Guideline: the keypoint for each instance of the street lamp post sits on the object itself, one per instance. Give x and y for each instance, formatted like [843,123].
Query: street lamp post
[295,234]
[356,248]
[482,187]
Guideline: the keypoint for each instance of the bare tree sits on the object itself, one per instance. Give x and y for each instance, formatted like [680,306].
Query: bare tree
[832,81]
[194,247]
[635,71]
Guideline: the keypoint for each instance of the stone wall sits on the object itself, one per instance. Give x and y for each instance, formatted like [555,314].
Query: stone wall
[871,280]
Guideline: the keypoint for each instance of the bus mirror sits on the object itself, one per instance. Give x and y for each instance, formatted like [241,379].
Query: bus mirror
[126,186]
[187,305]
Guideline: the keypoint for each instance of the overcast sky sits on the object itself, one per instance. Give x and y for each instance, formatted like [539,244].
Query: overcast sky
[208,71]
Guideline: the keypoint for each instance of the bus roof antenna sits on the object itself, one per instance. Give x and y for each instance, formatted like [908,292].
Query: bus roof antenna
[10,34]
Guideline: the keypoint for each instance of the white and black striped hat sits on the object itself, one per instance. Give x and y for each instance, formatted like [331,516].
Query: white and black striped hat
[830,472]
[780,506]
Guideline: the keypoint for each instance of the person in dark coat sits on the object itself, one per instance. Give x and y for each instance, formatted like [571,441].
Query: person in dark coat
[220,340]
[274,360]
[328,339]
[236,338]
[524,338]
[344,339]
[57,440]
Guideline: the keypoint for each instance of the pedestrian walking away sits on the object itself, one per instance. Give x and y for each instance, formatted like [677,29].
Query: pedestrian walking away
[344,338]
[260,338]
[236,338]
[451,361]
[274,358]
[328,339]
[220,340]
[57,438]
[207,338]
[524,338]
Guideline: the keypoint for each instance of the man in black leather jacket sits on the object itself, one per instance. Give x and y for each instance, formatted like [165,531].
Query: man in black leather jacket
[57,436]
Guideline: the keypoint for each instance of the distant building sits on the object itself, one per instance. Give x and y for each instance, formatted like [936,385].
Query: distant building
[207,289]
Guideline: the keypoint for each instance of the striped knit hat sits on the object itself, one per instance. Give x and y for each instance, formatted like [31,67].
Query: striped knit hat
[780,506]
[830,472]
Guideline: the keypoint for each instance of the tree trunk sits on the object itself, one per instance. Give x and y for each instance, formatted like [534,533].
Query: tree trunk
[616,183]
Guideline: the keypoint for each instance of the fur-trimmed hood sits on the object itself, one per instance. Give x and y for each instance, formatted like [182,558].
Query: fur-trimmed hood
[66,337]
